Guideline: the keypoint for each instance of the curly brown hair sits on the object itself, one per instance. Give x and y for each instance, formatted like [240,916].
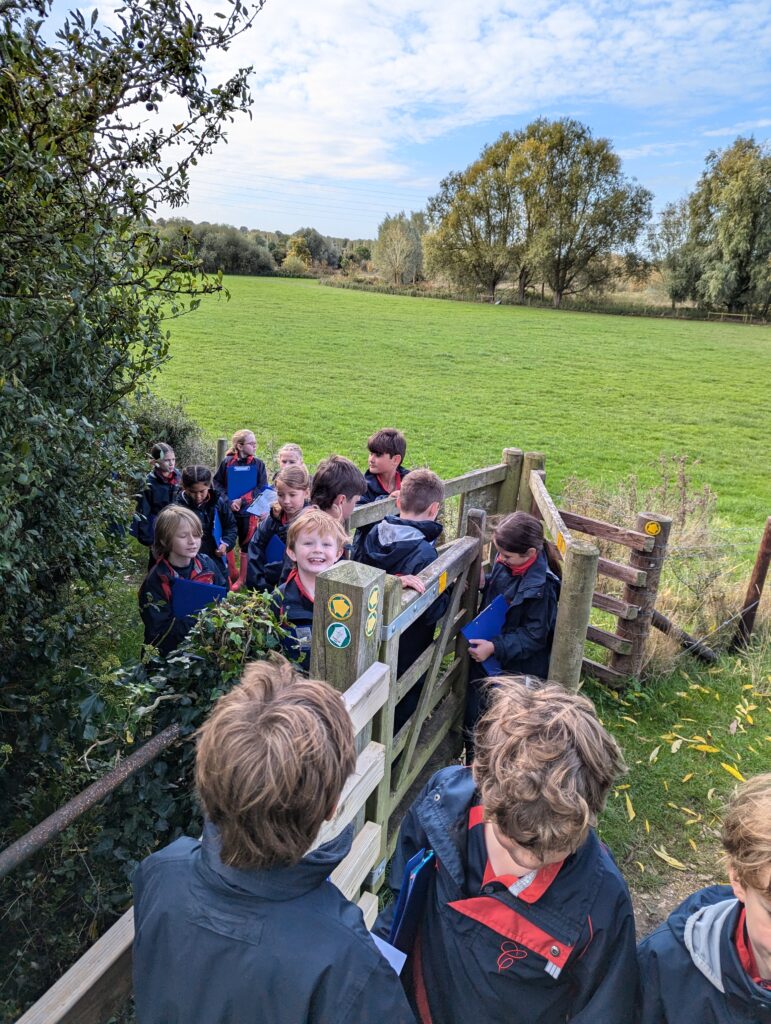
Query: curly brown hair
[543,764]
[271,763]
[746,833]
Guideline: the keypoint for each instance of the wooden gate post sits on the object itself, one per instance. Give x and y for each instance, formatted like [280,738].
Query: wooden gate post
[222,447]
[579,575]
[469,603]
[638,629]
[507,495]
[531,461]
[754,591]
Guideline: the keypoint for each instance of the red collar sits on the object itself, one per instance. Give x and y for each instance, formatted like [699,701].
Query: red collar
[397,483]
[536,888]
[294,575]
[519,570]
[744,949]
[236,459]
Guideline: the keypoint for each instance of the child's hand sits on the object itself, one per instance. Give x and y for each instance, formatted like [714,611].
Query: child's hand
[236,505]
[222,550]
[413,582]
[481,650]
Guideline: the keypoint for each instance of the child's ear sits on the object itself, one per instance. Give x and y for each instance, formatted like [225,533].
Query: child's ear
[739,891]
[433,510]
[398,456]
[290,552]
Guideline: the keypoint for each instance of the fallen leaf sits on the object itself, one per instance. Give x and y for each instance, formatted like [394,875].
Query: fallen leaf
[669,859]
[733,726]
[706,748]
[676,746]
[640,865]
[629,809]
[647,825]
[655,752]
[688,777]
[693,844]
[710,793]
[733,771]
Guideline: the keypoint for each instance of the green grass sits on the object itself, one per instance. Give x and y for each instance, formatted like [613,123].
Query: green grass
[602,396]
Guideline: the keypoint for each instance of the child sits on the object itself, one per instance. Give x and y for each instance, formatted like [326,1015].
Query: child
[711,960]
[162,487]
[244,923]
[314,542]
[525,576]
[198,496]
[176,546]
[337,486]
[290,455]
[526,916]
[293,488]
[243,446]
[404,545]
[384,476]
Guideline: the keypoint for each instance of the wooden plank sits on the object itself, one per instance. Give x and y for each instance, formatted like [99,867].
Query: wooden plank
[607,531]
[349,599]
[441,689]
[626,573]
[408,679]
[368,905]
[615,606]
[484,498]
[532,460]
[351,872]
[507,495]
[368,772]
[606,675]
[609,640]
[95,986]
[367,695]
[573,611]
[555,524]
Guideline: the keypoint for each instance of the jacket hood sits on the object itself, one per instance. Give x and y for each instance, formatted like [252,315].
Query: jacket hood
[392,540]
[280,883]
[702,935]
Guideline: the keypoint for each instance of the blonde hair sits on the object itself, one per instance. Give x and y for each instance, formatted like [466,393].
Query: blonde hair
[238,438]
[271,763]
[291,448]
[746,833]
[167,524]
[543,764]
[297,478]
[314,519]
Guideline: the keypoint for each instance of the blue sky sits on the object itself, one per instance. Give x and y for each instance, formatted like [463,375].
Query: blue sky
[360,108]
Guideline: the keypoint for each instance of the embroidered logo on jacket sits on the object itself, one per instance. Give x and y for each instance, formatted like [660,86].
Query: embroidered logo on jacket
[510,952]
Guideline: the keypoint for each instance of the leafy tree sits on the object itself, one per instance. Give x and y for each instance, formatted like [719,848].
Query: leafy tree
[398,251]
[674,254]
[299,249]
[321,248]
[730,211]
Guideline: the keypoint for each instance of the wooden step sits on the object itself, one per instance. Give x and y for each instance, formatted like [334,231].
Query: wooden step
[615,680]
[625,573]
[615,606]
[607,531]
[609,640]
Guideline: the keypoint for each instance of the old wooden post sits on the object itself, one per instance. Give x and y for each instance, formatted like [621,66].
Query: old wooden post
[638,629]
[531,461]
[469,603]
[754,590]
[579,574]
[347,612]
[507,495]
[378,805]
[222,447]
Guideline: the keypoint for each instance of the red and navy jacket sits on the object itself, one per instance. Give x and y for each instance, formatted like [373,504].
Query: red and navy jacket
[162,629]
[524,645]
[556,945]
[159,491]
[698,966]
[282,945]
[220,480]
[205,513]
[260,574]
[295,604]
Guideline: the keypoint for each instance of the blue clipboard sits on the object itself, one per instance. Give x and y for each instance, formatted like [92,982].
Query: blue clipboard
[487,626]
[216,532]
[275,550]
[241,480]
[412,899]
[189,596]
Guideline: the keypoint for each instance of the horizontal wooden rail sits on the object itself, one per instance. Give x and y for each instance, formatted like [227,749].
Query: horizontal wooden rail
[614,605]
[351,872]
[407,680]
[442,687]
[606,675]
[618,571]
[608,640]
[607,531]
[368,772]
[551,515]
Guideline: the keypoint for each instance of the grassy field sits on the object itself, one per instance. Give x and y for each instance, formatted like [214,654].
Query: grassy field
[602,396]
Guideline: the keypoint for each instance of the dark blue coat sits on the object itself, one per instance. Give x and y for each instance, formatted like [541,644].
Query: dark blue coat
[205,514]
[157,494]
[220,482]
[690,969]
[524,645]
[297,609]
[162,628]
[559,952]
[375,492]
[261,574]
[218,945]
[405,548]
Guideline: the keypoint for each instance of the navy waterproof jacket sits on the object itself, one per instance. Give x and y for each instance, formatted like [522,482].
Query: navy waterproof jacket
[218,945]
[162,628]
[690,969]
[205,514]
[546,951]
[297,608]
[405,549]
[524,645]
[261,574]
[375,492]
[157,494]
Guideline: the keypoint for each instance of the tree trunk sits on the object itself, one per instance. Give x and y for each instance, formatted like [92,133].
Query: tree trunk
[557,300]
[522,285]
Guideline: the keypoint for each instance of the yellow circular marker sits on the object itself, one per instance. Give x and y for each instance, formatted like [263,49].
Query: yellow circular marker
[369,627]
[653,529]
[374,600]
[340,607]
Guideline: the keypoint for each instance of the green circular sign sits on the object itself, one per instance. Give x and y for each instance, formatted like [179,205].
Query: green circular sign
[338,635]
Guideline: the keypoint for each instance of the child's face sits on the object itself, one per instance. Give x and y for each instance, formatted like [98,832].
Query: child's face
[381,464]
[758,907]
[186,544]
[513,560]
[167,463]
[288,459]
[198,493]
[315,551]
[290,499]
[248,447]
[525,858]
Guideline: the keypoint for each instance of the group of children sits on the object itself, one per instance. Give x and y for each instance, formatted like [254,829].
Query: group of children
[523,917]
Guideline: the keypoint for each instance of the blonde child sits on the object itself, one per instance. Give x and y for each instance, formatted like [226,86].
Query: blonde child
[293,490]
[242,452]
[162,487]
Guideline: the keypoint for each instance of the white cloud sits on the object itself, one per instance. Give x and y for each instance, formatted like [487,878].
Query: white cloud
[741,128]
